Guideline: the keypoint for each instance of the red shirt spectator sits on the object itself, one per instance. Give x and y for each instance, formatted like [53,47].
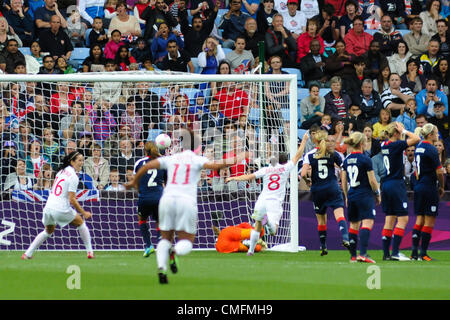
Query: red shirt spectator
[305,38]
[237,147]
[357,41]
[232,101]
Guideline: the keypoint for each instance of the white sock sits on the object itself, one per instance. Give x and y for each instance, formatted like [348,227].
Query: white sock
[85,236]
[254,237]
[162,253]
[183,247]
[40,238]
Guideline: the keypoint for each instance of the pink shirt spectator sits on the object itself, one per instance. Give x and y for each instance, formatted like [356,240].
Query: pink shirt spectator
[111,48]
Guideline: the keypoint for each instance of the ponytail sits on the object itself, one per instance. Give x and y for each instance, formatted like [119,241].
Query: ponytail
[321,137]
[427,129]
[355,140]
[151,150]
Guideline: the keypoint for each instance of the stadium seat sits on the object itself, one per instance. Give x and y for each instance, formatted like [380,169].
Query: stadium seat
[79,54]
[152,134]
[197,68]
[300,81]
[86,37]
[25,50]
[301,133]
[190,92]
[226,50]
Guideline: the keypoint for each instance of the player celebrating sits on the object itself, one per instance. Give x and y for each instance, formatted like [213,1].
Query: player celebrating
[270,201]
[359,174]
[151,188]
[393,189]
[237,239]
[324,188]
[426,193]
[58,208]
[178,204]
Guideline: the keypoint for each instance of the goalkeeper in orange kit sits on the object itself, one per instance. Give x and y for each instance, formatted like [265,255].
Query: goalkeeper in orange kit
[237,239]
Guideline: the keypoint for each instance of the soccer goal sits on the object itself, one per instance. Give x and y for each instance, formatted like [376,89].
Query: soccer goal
[109,117]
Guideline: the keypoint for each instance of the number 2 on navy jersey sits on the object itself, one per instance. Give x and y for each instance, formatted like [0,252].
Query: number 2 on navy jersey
[151,181]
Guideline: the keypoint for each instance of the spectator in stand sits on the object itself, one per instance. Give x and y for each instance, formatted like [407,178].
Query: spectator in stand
[10,55]
[427,97]
[51,148]
[328,25]
[95,62]
[352,83]
[279,42]
[97,167]
[310,8]
[232,101]
[127,25]
[63,66]
[430,59]
[224,68]
[294,20]
[98,33]
[357,40]
[114,181]
[442,151]
[147,104]
[40,117]
[387,36]
[196,35]
[381,83]
[162,38]
[32,6]
[212,120]
[91,9]
[155,15]
[123,58]
[336,101]
[76,29]
[443,37]
[20,179]
[252,36]
[346,21]
[108,91]
[210,57]
[60,100]
[375,60]
[412,78]
[102,122]
[125,158]
[241,60]
[138,9]
[264,15]
[355,120]
[394,98]
[42,17]
[133,119]
[35,160]
[113,45]
[384,119]
[233,23]
[397,61]
[430,16]
[277,92]
[8,159]
[394,9]
[187,118]
[421,120]
[340,62]
[55,41]
[21,22]
[442,74]
[311,108]
[441,122]
[369,101]
[111,145]
[313,66]
[141,50]
[304,40]
[372,146]
[176,59]
[34,60]
[23,138]
[408,115]
[417,40]
[74,123]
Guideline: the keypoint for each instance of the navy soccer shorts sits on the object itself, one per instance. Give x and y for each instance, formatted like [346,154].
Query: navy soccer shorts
[394,198]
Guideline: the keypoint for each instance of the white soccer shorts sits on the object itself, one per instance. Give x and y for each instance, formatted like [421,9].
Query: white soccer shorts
[52,217]
[178,213]
[272,208]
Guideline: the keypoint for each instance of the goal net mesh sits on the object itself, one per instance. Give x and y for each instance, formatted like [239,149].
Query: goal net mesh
[109,122]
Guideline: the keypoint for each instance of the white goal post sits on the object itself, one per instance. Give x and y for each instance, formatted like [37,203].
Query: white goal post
[23,207]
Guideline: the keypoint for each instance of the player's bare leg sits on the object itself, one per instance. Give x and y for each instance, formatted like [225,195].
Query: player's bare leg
[38,241]
[84,234]
[162,254]
[254,237]
[416,233]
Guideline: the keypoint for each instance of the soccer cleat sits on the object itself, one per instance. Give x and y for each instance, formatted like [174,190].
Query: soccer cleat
[346,244]
[148,251]
[365,259]
[353,259]
[323,252]
[414,256]
[249,254]
[25,257]
[173,261]
[400,257]
[162,277]
[91,255]
[426,258]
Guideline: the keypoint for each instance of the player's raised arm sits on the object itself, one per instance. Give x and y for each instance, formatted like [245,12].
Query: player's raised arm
[244,177]
[217,165]
[74,202]
[154,164]
[301,148]
[412,138]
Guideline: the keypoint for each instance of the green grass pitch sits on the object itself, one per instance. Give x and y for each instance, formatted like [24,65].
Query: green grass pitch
[208,275]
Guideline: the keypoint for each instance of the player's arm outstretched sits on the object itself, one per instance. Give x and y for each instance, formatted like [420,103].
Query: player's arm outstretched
[76,205]
[220,164]
[301,149]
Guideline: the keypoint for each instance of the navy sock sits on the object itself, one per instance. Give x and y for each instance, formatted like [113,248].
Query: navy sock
[426,238]
[343,228]
[398,236]
[416,239]
[387,236]
[353,239]
[322,235]
[364,235]
[145,232]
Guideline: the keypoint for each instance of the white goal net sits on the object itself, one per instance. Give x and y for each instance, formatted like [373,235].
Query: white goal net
[109,117]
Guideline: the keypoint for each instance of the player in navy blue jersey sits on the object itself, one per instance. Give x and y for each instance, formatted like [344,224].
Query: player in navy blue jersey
[359,175]
[426,190]
[325,190]
[151,187]
[394,197]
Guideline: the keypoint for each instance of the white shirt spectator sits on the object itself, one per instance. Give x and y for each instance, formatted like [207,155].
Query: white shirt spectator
[295,24]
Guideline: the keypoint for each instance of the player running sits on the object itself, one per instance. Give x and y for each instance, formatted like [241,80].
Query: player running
[426,192]
[178,205]
[358,173]
[58,208]
[325,190]
[151,189]
[270,201]
[394,197]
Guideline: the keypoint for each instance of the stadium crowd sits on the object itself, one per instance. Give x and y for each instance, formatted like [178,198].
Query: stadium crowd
[378,61]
